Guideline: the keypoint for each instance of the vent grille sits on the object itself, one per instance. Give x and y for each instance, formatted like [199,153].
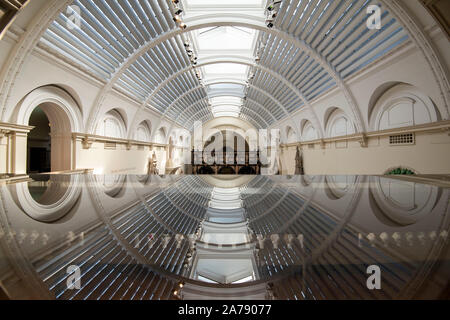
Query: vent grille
[402,139]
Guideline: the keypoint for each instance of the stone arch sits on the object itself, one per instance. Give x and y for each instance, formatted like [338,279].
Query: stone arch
[144,131]
[112,124]
[291,135]
[64,117]
[309,132]
[337,123]
[161,135]
[401,105]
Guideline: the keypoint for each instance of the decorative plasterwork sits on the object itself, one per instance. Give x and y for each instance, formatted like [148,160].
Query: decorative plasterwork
[4,133]
[363,141]
[425,45]
[22,50]
[87,142]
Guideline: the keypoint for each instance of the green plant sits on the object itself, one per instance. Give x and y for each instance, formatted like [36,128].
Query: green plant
[401,171]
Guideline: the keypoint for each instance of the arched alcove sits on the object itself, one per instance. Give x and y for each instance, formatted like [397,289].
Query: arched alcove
[309,133]
[161,135]
[337,123]
[291,136]
[55,114]
[112,125]
[144,131]
[402,105]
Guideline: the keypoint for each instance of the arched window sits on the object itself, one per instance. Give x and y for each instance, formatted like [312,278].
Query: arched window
[161,136]
[401,106]
[338,124]
[143,132]
[290,135]
[112,125]
[309,133]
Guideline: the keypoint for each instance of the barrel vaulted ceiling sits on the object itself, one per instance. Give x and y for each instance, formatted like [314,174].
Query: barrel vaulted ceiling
[234,65]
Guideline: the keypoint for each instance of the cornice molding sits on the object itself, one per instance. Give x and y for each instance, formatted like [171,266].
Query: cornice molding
[89,139]
[436,127]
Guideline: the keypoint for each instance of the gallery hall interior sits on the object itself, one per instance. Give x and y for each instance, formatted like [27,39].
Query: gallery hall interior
[209,150]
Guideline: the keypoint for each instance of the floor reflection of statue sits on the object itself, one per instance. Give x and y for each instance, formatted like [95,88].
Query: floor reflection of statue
[153,165]
[299,169]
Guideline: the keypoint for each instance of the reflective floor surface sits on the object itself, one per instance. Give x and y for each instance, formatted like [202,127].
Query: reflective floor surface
[222,237]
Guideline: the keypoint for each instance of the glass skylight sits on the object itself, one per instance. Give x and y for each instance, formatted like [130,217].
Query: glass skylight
[213,3]
[225,68]
[225,38]
[224,42]
[226,100]
[231,89]
[226,111]
[226,106]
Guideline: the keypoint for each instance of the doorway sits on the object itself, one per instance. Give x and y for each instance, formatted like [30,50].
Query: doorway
[39,143]
[50,142]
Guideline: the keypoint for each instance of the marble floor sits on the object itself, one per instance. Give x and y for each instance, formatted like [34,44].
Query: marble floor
[76,237]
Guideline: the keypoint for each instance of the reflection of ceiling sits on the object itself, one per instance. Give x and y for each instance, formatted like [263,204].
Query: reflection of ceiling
[412,252]
[137,48]
[225,270]
[227,181]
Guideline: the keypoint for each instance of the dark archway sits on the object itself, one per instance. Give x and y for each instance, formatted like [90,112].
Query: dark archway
[247,170]
[205,170]
[227,170]
[39,143]
[64,117]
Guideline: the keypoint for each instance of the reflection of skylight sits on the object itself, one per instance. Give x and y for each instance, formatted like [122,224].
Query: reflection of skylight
[248,279]
[203,279]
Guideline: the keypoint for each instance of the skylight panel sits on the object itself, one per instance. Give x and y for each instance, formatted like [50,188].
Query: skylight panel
[226,100]
[244,280]
[225,38]
[247,3]
[226,111]
[226,88]
[225,68]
